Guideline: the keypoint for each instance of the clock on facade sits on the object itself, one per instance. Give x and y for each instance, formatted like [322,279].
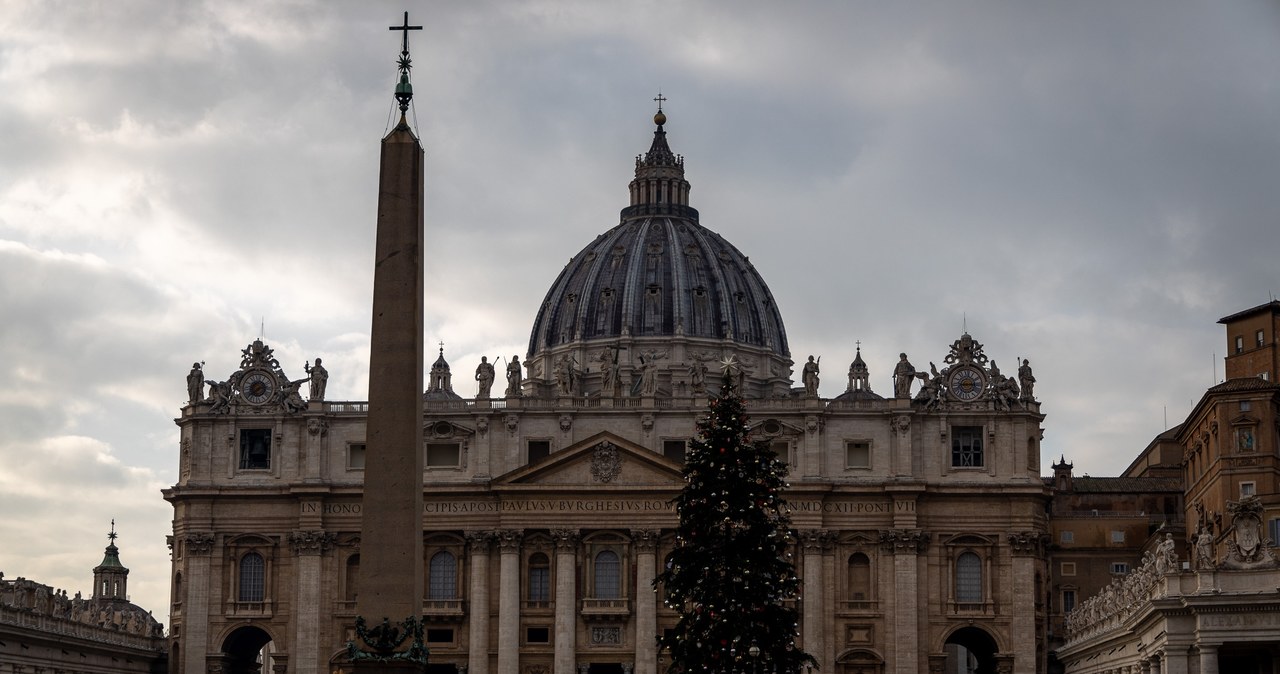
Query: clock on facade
[257,386]
[967,383]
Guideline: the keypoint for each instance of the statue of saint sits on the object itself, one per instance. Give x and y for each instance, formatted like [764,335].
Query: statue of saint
[1026,379]
[1204,551]
[608,371]
[514,376]
[485,376]
[698,375]
[195,384]
[319,379]
[648,384]
[903,373]
[566,375]
[810,377]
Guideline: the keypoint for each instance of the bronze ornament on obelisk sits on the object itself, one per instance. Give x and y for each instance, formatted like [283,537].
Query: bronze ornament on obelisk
[389,626]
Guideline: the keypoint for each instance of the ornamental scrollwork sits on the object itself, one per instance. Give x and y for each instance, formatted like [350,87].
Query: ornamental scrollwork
[382,643]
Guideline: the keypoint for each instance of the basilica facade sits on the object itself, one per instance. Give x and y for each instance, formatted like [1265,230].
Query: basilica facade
[920,514]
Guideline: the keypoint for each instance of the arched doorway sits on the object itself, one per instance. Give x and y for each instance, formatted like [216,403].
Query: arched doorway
[971,650]
[244,651]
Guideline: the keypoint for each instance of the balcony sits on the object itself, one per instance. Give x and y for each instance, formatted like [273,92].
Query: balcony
[443,610]
[606,610]
[858,606]
[249,609]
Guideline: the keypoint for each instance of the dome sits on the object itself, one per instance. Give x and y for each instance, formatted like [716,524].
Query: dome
[659,273]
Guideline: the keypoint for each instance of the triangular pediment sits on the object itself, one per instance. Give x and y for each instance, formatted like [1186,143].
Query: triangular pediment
[602,460]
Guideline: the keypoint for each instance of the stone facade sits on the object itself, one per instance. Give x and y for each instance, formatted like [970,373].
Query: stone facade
[885,505]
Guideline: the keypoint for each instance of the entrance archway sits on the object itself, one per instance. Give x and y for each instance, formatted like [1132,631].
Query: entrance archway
[243,650]
[971,650]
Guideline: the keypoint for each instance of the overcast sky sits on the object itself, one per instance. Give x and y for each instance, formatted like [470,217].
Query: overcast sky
[1089,185]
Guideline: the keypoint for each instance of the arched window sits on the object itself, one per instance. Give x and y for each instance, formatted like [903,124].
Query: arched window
[539,578]
[968,578]
[353,578]
[859,577]
[253,576]
[608,575]
[442,576]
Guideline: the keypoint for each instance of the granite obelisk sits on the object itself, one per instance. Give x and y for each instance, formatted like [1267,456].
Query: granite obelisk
[390,600]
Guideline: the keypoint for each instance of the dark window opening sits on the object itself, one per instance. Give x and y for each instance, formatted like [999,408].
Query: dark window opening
[255,448]
[537,635]
[966,447]
[539,450]
[674,450]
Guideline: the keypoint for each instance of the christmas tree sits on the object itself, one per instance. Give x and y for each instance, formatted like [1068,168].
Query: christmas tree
[730,570]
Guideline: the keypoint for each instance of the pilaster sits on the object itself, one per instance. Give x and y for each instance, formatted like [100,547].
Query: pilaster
[509,600]
[566,601]
[197,546]
[479,544]
[645,543]
[308,546]
[1026,548]
[905,545]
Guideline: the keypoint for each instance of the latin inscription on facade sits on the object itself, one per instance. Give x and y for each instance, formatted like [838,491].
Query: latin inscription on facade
[1240,620]
[605,505]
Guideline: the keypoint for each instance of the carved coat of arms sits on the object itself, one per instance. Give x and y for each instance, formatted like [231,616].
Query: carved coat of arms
[606,463]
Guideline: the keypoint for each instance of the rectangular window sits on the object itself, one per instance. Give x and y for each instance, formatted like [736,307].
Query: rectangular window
[1117,536]
[1068,568]
[1260,337]
[539,450]
[1248,489]
[1066,537]
[857,454]
[439,635]
[537,635]
[966,446]
[355,456]
[1119,568]
[443,454]
[255,448]
[1068,601]
[539,583]
[1245,405]
[1264,376]
[1239,344]
[674,450]
[1273,532]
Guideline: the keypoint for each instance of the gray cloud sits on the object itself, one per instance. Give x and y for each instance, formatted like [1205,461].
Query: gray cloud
[1087,185]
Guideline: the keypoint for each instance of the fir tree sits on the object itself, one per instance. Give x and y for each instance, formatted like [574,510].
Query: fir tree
[730,570]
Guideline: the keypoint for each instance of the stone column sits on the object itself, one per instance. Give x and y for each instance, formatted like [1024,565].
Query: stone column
[1208,659]
[566,646]
[308,546]
[509,601]
[1027,549]
[811,542]
[645,543]
[1154,664]
[905,545]
[1175,662]
[195,609]
[478,597]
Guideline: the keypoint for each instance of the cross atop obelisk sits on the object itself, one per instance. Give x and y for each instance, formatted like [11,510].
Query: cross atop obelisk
[404,90]
[389,626]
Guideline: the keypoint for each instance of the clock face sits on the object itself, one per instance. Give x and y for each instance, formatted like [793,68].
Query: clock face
[966,383]
[257,387]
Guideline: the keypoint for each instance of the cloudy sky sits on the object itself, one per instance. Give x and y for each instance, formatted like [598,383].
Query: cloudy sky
[1089,185]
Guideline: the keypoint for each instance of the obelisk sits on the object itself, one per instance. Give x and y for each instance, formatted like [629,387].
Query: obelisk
[390,600]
